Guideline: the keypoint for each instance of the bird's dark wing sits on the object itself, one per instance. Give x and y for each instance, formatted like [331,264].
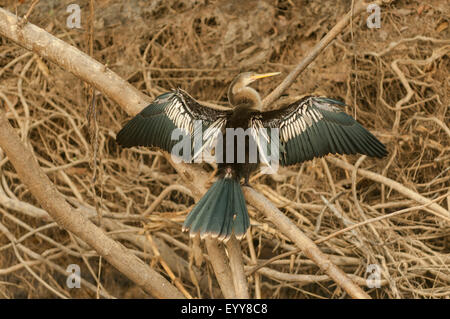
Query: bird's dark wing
[154,125]
[316,126]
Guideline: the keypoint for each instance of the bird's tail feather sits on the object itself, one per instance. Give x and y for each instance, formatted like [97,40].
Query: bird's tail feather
[220,213]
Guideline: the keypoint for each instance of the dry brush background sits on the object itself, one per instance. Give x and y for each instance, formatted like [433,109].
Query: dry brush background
[395,80]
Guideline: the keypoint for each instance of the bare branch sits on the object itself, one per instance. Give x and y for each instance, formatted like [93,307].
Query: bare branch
[54,203]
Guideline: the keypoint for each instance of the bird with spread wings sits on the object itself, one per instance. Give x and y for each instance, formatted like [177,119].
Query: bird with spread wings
[311,127]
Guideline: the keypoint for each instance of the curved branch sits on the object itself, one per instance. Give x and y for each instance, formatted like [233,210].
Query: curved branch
[434,208]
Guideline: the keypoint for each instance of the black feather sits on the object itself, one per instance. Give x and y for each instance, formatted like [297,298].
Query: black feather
[335,131]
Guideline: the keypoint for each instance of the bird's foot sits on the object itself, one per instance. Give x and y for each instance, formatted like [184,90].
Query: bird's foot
[246,182]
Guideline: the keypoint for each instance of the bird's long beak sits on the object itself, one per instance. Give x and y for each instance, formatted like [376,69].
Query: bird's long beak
[264,75]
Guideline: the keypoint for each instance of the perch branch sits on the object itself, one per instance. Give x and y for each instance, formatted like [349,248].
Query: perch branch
[221,268]
[237,268]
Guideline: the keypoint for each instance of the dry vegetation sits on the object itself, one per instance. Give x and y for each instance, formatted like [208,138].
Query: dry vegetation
[395,79]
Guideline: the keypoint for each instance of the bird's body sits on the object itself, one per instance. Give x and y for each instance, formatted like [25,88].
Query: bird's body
[308,128]
[238,119]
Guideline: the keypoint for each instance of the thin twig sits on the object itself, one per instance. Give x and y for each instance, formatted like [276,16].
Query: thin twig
[435,208]
[24,20]
[314,53]
[167,268]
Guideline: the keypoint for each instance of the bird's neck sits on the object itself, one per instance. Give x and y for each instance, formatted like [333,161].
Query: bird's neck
[246,96]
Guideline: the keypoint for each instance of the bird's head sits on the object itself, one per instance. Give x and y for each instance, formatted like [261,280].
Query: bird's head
[240,92]
[247,78]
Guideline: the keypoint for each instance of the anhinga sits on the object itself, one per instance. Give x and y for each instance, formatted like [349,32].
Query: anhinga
[310,127]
